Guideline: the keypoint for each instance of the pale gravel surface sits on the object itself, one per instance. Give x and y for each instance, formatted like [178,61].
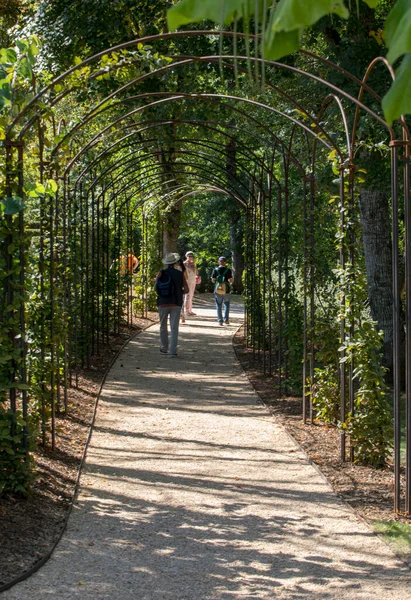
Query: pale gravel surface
[192,491]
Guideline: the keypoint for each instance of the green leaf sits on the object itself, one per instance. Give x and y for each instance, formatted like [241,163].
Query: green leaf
[8,55]
[51,187]
[13,205]
[281,43]
[299,14]
[397,32]
[193,11]
[397,101]
[372,3]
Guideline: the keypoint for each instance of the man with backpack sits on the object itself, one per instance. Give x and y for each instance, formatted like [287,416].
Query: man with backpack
[222,277]
[170,288]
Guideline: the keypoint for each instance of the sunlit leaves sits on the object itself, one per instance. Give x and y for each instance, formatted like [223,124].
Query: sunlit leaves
[397,101]
[397,31]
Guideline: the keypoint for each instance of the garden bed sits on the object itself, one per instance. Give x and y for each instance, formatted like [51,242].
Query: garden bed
[31,526]
[369,491]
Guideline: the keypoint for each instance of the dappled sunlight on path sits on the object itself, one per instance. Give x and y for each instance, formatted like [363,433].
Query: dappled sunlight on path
[192,491]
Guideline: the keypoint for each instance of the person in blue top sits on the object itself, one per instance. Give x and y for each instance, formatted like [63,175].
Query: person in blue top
[222,277]
[170,288]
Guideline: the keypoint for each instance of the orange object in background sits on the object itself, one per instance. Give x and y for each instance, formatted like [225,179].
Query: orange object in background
[128,264]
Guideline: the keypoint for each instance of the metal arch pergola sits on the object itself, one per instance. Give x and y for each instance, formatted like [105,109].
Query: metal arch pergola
[60,230]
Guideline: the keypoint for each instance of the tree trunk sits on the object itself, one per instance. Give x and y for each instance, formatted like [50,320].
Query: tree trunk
[171,227]
[374,212]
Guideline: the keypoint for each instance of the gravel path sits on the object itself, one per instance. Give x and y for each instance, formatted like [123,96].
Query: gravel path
[192,491]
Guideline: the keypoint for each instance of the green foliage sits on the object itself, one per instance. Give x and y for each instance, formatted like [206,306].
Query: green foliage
[370,426]
[16,465]
[282,30]
[325,393]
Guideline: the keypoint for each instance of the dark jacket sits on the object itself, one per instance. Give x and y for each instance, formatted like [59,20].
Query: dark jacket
[177,298]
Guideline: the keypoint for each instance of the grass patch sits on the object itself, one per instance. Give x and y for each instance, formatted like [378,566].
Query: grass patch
[398,534]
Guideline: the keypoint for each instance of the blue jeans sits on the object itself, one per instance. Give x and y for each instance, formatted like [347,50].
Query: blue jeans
[174,312]
[221,299]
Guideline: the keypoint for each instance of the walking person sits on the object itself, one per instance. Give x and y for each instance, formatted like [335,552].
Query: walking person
[191,274]
[222,277]
[169,287]
[181,267]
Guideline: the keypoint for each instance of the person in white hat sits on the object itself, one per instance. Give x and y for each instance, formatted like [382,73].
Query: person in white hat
[169,287]
[191,275]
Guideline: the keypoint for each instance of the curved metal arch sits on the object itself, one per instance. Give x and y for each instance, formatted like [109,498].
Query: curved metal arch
[95,112]
[126,160]
[169,122]
[98,137]
[153,179]
[171,96]
[222,33]
[157,167]
[205,124]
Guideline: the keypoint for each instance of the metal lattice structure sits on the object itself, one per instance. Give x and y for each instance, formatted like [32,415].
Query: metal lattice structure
[111,184]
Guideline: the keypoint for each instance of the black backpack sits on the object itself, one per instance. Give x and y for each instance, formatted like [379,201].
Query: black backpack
[164,285]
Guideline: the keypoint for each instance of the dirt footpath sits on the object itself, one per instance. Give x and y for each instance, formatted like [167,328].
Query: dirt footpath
[192,491]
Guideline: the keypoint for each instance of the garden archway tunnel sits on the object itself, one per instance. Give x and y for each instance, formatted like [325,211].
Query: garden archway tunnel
[98,165]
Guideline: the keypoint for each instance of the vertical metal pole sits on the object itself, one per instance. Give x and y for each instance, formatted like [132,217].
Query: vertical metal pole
[396,329]
[280,294]
[23,341]
[407,323]
[312,295]
[305,292]
[342,323]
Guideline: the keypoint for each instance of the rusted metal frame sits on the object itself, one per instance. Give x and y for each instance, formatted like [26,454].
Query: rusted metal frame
[74,262]
[312,291]
[394,144]
[94,298]
[9,289]
[125,161]
[213,100]
[263,234]
[286,271]
[66,292]
[280,290]
[254,299]
[131,165]
[204,124]
[143,174]
[343,374]
[351,251]
[165,36]
[22,261]
[155,180]
[99,291]
[42,268]
[107,312]
[103,106]
[305,307]
[129,252]
[258,266]
[270,266]
[166,97]
[51,218]
[407,220]
[396,329]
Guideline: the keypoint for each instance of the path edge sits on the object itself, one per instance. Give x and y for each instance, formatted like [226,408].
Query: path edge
[402,559]
[42,561]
